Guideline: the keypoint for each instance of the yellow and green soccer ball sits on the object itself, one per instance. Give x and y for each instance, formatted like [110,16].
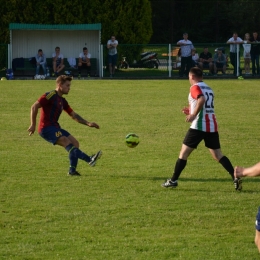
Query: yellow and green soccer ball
[3,78]
[132,140]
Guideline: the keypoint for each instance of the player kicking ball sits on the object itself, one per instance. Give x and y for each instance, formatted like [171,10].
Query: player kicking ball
[52,103]
[201,116]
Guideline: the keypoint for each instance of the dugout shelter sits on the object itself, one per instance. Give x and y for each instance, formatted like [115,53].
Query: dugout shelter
[26,39]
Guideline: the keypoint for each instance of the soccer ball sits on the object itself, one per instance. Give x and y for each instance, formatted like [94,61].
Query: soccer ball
[3,78]
[132,140]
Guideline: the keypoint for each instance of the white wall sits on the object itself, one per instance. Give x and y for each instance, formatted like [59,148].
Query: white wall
[25,43]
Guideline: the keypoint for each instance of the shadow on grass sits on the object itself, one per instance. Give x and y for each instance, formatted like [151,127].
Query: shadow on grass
[155,178]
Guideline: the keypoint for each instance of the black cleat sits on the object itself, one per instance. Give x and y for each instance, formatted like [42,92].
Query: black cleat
[170,183]
[238,184]
[74,173]
[94,158]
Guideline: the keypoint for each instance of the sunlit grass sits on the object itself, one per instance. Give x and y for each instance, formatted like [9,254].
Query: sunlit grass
[118,210]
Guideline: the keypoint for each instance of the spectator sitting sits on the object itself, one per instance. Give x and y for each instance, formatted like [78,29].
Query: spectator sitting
[40,61]
[220,61]
[206,60]
[195,58]
[57,58]
[84,61]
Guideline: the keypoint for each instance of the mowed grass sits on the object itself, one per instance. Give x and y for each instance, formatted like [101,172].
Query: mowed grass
[118,209]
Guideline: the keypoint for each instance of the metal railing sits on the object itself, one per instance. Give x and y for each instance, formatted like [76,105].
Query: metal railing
[161,61]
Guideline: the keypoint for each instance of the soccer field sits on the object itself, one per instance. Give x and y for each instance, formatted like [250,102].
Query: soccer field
[118,209]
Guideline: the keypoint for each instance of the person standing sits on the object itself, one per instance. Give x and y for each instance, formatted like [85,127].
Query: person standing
[246,54]
[204,126]
[52,103]
[40,61]
[186,55]
[255,52]
[112,55]
[84,61]
[234,49]
[57,59]
[252,171]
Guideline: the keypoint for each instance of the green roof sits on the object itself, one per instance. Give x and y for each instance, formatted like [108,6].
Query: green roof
[24,26]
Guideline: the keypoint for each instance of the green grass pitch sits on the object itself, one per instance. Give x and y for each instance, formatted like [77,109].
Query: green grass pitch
[117,209]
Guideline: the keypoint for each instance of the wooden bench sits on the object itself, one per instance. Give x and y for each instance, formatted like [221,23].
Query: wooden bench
[29,69]
[174,52]
[174,55]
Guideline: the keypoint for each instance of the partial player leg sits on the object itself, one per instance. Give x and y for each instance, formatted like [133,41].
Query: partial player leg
[225,162]
[257,231]
[74,152]
[179,167]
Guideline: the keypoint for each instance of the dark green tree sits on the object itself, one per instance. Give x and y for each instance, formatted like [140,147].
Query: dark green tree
[205,21]
[129,20]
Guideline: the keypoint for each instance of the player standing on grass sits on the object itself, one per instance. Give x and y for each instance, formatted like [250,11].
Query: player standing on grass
[204,126]
[52,103]
[252,171]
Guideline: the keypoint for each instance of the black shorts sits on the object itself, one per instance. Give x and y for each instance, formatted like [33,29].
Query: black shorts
[194,137]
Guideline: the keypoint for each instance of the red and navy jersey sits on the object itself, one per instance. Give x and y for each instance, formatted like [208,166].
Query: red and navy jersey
[52,106]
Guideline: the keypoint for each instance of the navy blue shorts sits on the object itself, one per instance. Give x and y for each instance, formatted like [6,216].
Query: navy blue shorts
[257,222]
[52,134]
[194,137]
[112,59]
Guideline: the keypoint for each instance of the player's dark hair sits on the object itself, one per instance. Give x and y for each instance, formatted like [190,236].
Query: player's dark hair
[85,48]
[63,78]
[196,72]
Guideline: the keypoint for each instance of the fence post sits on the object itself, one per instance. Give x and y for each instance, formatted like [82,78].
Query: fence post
[170,61]
[9,55]
[101,61]
[238,61]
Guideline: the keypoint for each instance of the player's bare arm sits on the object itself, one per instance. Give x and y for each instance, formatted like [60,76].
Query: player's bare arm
[34,112]
[200,103]
[81,120]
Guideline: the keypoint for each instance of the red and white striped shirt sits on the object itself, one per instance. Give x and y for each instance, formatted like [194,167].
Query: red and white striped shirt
[205,120]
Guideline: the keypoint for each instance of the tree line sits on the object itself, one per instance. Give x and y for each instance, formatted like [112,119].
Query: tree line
[129,20]
[140,21]
[205,21]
